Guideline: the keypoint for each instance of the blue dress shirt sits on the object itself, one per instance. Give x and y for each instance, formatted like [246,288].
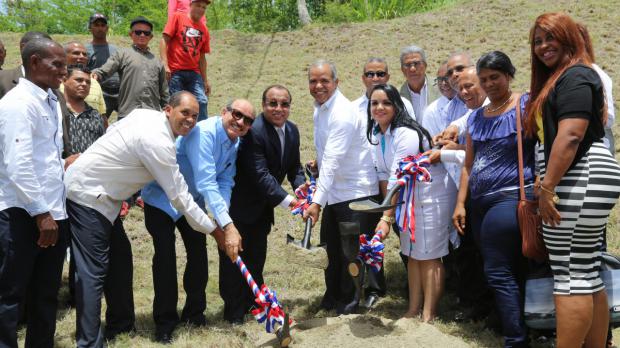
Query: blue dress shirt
[206,157]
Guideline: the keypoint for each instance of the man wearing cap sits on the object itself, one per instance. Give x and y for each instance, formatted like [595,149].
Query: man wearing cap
[99,51]
[143,78]
[183,47]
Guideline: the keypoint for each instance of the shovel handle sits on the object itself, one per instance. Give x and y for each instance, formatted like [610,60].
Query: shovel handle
[305,242]
[395,189]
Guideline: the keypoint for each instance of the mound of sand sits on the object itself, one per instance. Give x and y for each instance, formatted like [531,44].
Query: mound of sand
[357,330]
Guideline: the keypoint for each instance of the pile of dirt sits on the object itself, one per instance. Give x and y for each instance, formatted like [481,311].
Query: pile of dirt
[357,330]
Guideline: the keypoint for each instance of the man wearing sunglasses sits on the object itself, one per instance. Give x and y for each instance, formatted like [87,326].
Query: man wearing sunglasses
[206,158]
[376,73]
[143,78]
[268,153]
[417,87]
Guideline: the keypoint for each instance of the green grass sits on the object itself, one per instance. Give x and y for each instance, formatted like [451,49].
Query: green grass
[243,64]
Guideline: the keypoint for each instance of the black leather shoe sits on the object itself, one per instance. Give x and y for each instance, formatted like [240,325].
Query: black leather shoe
[349,308]
[110,335]
[163,337]
[235,321]
[371,300]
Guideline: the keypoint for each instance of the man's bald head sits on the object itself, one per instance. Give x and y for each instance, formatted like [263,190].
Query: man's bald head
[469,88]
[45,63]
[31,36]
[76,53]
[457,62]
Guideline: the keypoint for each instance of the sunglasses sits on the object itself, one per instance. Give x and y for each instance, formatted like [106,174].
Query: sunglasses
[274,104]
[458,68]
[415,64]
[371,74]
[238,115]
[440,79]
[142,32]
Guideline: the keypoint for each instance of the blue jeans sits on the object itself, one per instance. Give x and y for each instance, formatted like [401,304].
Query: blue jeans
[191,81]
[496,231]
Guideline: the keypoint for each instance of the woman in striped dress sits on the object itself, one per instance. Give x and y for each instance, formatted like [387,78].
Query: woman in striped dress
[579,178]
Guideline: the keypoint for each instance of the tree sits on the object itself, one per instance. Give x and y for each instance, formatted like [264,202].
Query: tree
[302,9]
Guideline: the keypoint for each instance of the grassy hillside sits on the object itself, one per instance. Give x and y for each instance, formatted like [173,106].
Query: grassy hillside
[241,65]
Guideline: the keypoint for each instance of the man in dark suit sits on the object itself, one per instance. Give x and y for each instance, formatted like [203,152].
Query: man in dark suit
[268,153]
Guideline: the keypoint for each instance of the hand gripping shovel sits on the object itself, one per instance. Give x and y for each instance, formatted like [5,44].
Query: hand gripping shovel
[304,253]
[370,206]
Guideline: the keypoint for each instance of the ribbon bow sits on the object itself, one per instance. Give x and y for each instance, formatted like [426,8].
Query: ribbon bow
[269,309]
[305,197]
[410,170]
[371,251]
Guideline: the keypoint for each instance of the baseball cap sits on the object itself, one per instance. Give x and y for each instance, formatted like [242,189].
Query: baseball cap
[97,17]
[141,19]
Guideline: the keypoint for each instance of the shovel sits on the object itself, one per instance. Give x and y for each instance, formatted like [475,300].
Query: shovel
[304,253]
[370,206]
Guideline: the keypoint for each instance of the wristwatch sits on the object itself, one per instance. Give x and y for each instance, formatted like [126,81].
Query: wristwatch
[389,219]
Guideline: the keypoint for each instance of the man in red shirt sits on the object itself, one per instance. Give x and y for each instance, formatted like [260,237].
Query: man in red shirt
[184,45]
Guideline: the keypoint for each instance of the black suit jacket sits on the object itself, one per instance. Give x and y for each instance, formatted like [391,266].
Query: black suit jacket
[9,79]
[260,172]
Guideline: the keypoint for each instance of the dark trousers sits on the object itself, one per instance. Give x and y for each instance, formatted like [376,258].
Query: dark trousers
[466,273]
[339,287]
[161,227]
[28,272]
[188,80]
[496,231]
[103,263]
[234,290]
[111,104]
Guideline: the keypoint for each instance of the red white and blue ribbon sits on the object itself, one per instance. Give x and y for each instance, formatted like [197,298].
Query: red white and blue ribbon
[305,197]
[371,251]
[269,309]
[411,169]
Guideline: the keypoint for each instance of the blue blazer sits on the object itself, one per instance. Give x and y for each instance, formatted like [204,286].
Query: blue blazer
[260,172]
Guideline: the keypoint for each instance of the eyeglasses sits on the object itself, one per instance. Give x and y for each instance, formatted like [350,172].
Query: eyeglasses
[441,79]
[274,104]
[415,64]
[458,68]
[371,74]
[142,32]
[247,120]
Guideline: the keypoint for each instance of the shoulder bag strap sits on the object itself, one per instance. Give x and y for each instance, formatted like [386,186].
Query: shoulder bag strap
[520,149]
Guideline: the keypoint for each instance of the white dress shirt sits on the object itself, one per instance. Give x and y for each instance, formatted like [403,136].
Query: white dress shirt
[391,148]
[32,170]
[133,152]
[432,120]
[607,85]
[419,101]
[346,168]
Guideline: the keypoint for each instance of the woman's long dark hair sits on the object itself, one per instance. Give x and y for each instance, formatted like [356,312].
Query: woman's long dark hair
[401,117]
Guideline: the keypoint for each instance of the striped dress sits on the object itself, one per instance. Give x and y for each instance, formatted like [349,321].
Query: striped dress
[587,194]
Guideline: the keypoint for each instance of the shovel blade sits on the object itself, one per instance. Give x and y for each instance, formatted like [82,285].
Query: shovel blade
[284,333]
[315,257]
